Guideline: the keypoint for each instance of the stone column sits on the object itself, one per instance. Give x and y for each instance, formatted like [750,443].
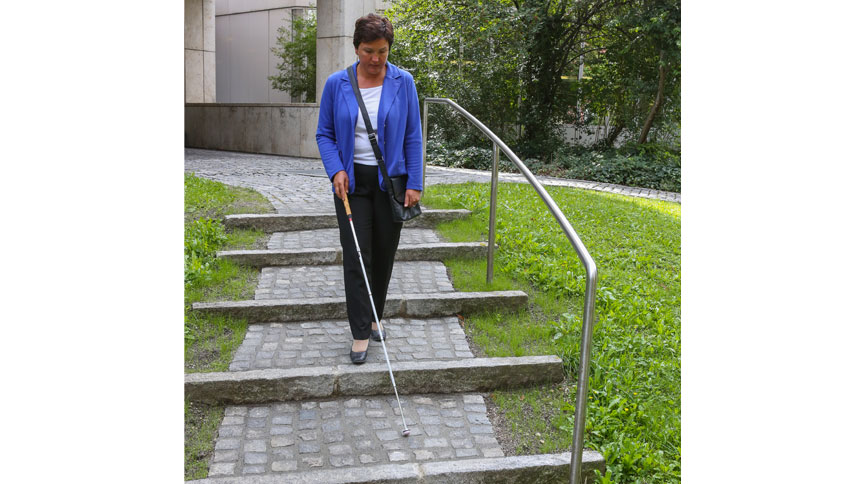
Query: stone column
[335,25]
[199,51]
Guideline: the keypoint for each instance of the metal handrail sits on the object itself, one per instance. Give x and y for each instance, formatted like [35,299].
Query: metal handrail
[578,246]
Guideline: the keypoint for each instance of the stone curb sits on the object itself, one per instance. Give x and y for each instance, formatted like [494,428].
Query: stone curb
[271,223]
[523,468]
[334,255]
[413,377]
[397,305]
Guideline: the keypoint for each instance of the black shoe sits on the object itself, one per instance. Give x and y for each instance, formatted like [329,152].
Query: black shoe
[358,357]
[376,336]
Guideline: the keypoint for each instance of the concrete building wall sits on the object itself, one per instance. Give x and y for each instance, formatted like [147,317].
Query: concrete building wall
[200,54]
[247,30]
[282,129]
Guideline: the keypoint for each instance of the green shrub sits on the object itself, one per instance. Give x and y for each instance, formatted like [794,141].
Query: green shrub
[646,166]
[471,157]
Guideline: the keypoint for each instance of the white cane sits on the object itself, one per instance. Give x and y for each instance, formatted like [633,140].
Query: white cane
[373,306]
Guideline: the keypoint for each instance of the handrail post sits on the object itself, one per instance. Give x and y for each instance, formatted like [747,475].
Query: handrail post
[424,145]
[582,384]
[494,186]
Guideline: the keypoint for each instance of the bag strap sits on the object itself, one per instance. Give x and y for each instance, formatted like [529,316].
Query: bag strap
[371,133]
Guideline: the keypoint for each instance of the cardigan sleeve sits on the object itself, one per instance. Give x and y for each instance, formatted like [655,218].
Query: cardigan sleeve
[413,138]
[326,138]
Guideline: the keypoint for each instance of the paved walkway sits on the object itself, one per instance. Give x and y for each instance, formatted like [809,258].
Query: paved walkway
[300,185]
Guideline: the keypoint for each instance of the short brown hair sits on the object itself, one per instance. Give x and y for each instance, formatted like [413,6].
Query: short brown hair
[372,27]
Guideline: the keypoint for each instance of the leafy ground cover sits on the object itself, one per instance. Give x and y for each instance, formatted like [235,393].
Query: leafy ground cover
[210,341]
[633,414]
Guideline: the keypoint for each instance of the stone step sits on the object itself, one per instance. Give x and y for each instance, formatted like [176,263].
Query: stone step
[359,440]
[397,305]
[327,343]
[465,375]
[334,255]
[270,223]
[325,238]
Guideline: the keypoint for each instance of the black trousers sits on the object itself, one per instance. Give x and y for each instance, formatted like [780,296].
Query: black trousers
[378,237]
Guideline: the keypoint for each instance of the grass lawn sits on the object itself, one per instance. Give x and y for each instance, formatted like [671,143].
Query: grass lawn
[211,340]
[201,429]
[634,416]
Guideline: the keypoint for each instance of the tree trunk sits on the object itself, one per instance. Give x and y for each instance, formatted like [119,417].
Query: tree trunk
[613,135]
[656,107]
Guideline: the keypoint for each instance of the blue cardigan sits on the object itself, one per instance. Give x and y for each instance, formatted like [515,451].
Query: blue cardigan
[399,117]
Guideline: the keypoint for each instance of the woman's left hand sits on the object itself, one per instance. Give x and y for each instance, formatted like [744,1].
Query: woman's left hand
[412,197]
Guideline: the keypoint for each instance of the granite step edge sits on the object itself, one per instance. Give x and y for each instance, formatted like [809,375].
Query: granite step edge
[522,468]
[275,222]
[413,377]
[334,255]
[397,305]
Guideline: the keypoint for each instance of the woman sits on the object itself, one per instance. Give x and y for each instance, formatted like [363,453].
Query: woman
[392,103]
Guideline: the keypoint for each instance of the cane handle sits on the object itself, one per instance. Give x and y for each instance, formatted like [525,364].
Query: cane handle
[346,204]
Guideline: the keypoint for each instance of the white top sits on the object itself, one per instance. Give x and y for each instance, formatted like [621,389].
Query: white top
[363,151]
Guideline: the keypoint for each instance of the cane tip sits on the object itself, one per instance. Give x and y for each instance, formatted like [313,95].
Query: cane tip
[406,432]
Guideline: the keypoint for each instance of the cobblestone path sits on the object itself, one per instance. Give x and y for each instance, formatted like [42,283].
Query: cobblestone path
[297,436]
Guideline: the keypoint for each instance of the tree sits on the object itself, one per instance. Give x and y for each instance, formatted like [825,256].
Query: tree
[559,32]
[636,78]
[504,61]
[514,63]
[297,68]
[663,33]
[470,54]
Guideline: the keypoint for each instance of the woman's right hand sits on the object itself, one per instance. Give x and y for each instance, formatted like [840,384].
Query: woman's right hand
[341,184]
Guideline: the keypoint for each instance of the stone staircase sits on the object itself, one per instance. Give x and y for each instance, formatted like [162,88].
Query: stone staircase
[299,411]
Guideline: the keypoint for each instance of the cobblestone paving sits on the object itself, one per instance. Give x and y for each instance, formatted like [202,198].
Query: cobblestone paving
[327,238]
[293,185]
[327,343]
[327,281]
[298,185]
[301,436]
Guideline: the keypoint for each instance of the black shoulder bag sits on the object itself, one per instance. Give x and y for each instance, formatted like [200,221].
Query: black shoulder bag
[395,186]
